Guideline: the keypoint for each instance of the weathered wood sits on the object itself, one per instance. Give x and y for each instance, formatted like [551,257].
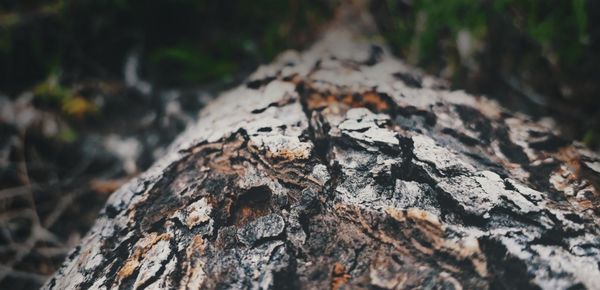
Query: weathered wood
[342,166]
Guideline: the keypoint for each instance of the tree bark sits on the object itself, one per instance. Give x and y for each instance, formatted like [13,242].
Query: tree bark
[343,167]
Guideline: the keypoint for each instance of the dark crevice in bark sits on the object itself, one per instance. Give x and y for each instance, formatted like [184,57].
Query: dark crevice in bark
[374,55]
[451,210]
[538,177]
[178,273]
[410,111]
[286,277]
[321,140]
[462,137]
[509,186]
[253,203]
[161,201]
[256,84]
[114,260]
[505,217]
[477,122]
[513,151]
[487,163]
[508,272]
[549,143]
[409,79]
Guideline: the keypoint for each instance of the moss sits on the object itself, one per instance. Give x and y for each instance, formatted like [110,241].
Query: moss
[51,89]
[592,138]
[67,135]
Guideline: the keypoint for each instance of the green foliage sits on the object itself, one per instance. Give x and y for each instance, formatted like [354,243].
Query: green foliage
[67,135]
[182,41]
[70,104]
[195,65]
[561,27]
[51,89]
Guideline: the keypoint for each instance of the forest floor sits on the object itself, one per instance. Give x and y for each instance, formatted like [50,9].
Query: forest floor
[57,171]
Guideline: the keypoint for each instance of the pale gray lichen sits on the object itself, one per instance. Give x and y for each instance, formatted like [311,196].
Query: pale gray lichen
[265,227]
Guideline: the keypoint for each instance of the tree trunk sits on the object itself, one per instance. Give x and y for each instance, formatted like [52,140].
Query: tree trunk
[343,167]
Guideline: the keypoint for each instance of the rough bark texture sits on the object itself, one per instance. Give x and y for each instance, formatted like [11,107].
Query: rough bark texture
[343,167]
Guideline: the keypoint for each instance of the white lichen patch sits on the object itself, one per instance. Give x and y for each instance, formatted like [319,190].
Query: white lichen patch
[555,260]
[194,275]
[262,228]
[565,181]
[320,173]
[285,147]
[470,195]
[362,124]
[195,214]
[426,150]
[261,261]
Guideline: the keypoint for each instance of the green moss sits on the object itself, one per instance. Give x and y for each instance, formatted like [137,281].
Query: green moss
[51,89]
[67,135]
[592,138]
[193,64]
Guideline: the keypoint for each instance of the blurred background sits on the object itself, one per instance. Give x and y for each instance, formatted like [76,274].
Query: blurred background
[92,91]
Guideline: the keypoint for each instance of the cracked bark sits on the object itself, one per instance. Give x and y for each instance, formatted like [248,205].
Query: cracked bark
[341,166]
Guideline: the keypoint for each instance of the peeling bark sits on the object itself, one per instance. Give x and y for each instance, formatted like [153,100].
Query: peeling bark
[343,167]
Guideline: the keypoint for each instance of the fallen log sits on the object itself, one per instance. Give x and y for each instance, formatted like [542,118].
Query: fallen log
[341,166]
